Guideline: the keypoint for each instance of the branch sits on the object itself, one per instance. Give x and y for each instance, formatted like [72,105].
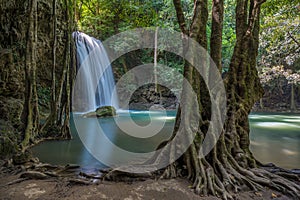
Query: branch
[294,39]
[180,16]
[254,12]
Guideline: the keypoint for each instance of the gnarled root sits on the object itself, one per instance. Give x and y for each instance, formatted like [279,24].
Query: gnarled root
[221,175]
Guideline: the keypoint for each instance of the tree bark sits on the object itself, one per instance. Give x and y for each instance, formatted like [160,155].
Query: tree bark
[230,167]
[155,59]
[52,118]
[180,16]
[65,110]
[216,32]
[58,120]
[30,114]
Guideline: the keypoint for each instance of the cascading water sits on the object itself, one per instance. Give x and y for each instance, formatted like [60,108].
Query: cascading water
[94,81]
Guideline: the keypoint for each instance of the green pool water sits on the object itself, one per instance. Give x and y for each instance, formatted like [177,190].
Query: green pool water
[274,138]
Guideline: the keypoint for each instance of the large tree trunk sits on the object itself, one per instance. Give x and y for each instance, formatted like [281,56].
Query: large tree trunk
[230,166]
[30,114]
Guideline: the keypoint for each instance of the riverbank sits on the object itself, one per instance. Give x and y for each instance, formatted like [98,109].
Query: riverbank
[31,179]
[54,188]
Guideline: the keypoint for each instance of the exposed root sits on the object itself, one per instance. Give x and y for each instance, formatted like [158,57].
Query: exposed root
[33,175]
[19,180]
[119,175]
[221,175]
[218,174]
[81,182]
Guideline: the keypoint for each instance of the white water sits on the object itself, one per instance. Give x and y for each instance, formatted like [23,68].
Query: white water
[94,85]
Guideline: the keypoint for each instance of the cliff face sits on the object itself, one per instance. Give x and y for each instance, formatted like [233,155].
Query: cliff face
[12,40]
[13,31]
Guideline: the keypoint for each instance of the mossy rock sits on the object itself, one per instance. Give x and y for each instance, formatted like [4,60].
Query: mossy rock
[7,147]
[11,110]
[8,140]
[106,111]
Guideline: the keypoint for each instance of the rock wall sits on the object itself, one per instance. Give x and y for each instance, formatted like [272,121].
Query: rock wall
[277,97]
[146,97]
[13,30]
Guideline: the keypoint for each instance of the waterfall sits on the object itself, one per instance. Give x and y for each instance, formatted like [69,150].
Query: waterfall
[94,85]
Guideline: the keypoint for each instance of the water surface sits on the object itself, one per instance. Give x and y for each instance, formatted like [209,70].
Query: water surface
[274,138]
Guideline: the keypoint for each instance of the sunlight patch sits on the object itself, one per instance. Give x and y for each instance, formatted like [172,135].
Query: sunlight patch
[289,152]
[261,117]
[276,125]
[165,118]
[292,120]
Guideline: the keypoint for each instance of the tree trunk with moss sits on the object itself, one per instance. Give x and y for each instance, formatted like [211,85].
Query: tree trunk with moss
[57,123]
[30,114]
[64,97]
[52,118]
[230,166]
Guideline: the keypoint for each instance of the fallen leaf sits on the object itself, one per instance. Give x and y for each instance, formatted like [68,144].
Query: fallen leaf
[258,194]
[274,195]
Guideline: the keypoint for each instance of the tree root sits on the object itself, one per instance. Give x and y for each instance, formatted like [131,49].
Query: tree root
[221,176]
[120,176]
[19,180]
[33,175]
[81,182]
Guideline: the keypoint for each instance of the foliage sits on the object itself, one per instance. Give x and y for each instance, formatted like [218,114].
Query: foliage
[279,40]
[270,75]
[173,76]
[105,18]
[280,34]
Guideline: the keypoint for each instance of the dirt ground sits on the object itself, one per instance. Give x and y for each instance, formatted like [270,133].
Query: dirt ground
[54,188]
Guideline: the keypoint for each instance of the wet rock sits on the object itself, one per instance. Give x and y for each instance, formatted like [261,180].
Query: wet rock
[106,111]
[146,96]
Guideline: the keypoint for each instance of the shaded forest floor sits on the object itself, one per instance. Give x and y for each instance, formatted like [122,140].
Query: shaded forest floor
[60,188]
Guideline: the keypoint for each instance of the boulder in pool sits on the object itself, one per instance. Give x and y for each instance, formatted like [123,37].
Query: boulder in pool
[104,111]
